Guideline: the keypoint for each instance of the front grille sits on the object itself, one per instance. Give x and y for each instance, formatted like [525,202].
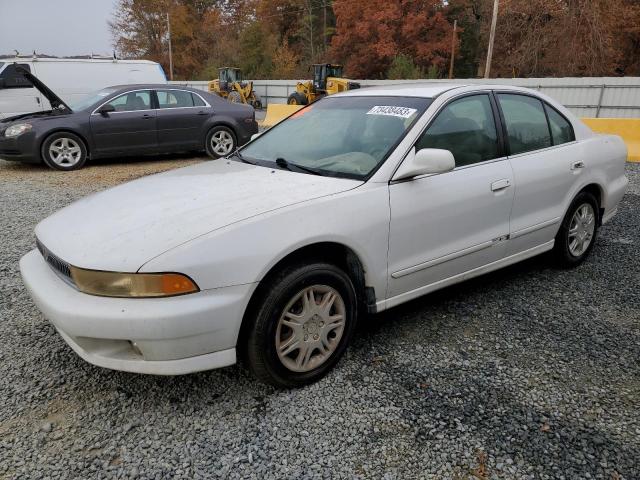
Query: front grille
[60,266]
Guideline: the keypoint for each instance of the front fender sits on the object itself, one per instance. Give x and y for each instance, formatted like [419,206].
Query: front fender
[246,251]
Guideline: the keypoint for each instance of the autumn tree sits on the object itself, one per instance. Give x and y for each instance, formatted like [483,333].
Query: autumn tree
[371,33]
[139,28]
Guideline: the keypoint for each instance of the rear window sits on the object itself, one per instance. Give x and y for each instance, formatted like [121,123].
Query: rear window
[197,101]
[174,99]
[561,129]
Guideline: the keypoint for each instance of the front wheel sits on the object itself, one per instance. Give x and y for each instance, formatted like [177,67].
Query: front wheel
[220,142]
[578,231]
[64,151]
[234,97]
[297,99]
[303,324]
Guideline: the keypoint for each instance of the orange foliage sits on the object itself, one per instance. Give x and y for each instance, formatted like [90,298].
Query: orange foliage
[370,33]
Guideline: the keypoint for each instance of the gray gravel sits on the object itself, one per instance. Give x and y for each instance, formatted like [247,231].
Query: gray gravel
[530,372]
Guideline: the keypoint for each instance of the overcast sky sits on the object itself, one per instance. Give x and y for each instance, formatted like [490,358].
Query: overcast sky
[56,27]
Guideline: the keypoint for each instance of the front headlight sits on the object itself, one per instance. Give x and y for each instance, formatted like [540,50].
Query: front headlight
[112,284]
[18,129]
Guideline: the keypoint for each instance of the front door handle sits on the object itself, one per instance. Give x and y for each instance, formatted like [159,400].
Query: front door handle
[500,185]
[203,113]
[577,165]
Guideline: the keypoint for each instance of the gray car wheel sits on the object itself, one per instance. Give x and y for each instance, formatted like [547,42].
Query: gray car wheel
[302,322]
[221,141]
[64,151]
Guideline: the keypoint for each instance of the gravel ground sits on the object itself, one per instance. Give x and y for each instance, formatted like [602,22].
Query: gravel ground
[530,372]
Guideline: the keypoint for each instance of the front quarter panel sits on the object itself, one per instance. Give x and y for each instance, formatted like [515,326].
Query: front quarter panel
[246,251]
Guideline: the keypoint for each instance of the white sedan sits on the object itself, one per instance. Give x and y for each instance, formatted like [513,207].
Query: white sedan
[359,202]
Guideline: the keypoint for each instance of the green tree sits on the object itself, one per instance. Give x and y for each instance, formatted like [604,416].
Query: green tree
[402,67]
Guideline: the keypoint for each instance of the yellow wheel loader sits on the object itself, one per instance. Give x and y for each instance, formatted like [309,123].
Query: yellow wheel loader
[327,80]
[231,86]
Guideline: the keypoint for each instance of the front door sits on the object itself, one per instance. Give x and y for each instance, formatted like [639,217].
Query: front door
[445,225]
[130,128]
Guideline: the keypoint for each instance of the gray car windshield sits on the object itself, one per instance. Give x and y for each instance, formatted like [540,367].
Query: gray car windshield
[338,136]
[90,99]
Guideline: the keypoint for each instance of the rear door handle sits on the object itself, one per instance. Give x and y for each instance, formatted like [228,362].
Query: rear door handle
[147,116]
[203,113]
[500,185]
[577,165]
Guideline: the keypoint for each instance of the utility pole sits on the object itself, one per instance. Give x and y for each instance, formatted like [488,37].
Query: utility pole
[492,37]
[453,48]
[311,28]
[170,53]
[324,33]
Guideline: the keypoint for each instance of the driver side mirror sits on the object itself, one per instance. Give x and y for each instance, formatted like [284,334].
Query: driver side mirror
[106,109]
[427,161]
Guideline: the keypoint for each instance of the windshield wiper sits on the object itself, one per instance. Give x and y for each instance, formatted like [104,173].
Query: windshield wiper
[282,163]
[242,158]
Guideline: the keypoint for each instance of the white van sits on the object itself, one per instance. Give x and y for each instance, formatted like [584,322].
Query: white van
[70,79]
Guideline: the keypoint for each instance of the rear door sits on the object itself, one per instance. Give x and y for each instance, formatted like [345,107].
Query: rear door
[546,164]
[181,118]
[130,128]
[447,224]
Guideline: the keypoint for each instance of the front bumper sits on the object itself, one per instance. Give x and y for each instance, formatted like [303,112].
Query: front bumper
[162,336]
[22,148]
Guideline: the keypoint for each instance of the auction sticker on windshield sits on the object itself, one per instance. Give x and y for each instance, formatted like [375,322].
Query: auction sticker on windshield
[402,112]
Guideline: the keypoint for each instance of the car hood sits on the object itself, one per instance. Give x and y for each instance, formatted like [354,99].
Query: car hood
[122,228]
[57,104]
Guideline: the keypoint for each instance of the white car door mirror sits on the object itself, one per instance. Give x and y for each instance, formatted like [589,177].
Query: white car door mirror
[427,161]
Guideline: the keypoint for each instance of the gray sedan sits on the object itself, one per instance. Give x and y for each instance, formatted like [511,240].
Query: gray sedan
[125,120]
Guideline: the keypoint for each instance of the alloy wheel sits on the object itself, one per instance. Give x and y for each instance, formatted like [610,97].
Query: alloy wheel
[65,152]
[222,143]
[581,229]
[310,328]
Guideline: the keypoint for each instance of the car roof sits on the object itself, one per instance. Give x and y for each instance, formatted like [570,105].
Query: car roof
[163,86]
[424,89]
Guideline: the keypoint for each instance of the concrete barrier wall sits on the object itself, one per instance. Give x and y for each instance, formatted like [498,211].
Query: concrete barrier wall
[597,97]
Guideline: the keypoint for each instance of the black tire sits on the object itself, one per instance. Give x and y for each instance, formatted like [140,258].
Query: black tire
[278,291]
[562,248]
[210,149]
[297,99]
[73,158]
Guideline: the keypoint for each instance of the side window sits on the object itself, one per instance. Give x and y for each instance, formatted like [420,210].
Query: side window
[526,122]
[561,129]
[197,101]
[174,99]
[11,78]
[132,101]
[466,128]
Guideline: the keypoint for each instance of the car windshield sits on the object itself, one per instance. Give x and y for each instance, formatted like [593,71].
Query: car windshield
[338,136]
[90,99]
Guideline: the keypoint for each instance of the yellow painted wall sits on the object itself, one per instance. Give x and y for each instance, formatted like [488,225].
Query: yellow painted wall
[627,128]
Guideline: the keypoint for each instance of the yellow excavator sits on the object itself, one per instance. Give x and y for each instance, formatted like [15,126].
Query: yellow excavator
[327,80]
[230,85]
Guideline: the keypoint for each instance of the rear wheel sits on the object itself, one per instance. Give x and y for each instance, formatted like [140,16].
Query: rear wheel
[297,99]
[221,141]
[578,231]
[303,324]
[64,151]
